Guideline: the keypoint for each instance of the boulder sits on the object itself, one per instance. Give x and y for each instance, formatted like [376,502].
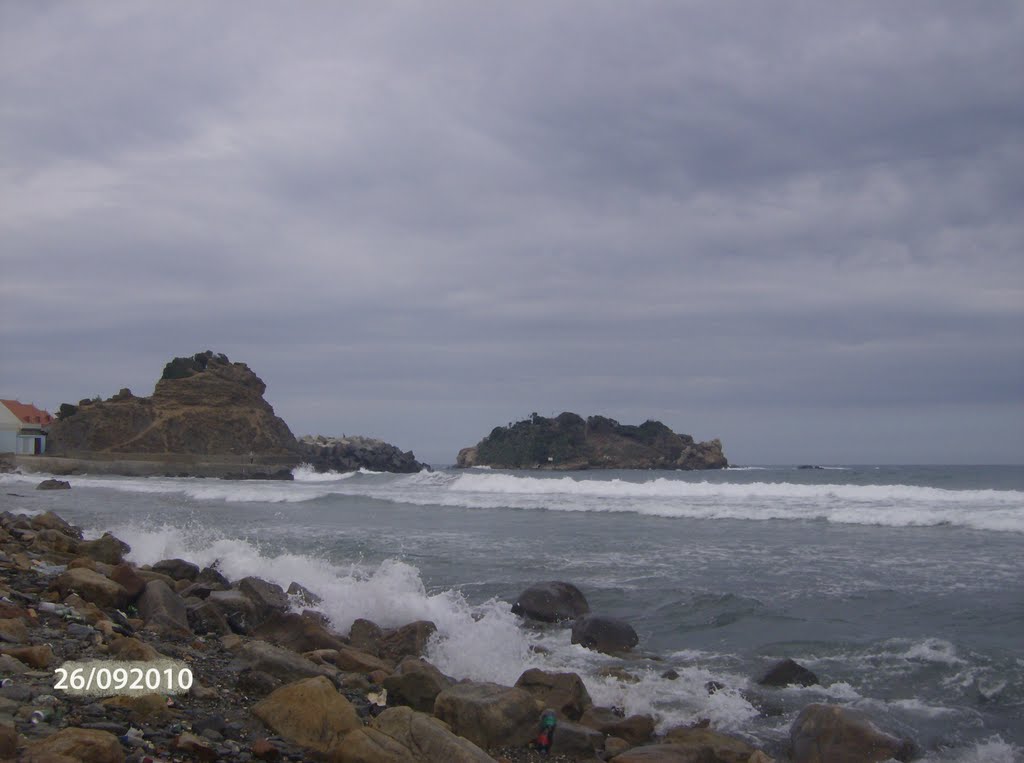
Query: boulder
[212,577]
[237,608]
[14,631]
[636,729]
[178,569]
[365,635]
[551,602]
[351,660]
[427,738]
[91,586]
[163,610]
[278,662]
[576,741]
[298,633]
[309,713]
[833,734]
[52,484]
[205,618]
[709,745]
[54,540]
[87,745]
[106,549]
[564,692]
[408,641]
[39,657]
[604,634]
[661,753]
[487,714]
[131,649]
[126,575]
[306,597]
[51,521]
[788,672]
[367,745]
[268,598]
[416,683]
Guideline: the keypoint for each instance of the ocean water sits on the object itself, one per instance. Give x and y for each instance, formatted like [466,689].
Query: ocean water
[902,588]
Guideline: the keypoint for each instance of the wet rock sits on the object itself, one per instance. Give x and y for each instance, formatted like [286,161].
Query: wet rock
[126,575]
[279,662]
[703,743]
[78,744]
[237,608]
[833,734]
[636,729]
[92,587]
[487,714]
[408,641]
[309,713]
[576,741]
[163,610]
[604,634]
[416,683]
[205,618]
[306,597]
[365,635]
[788,672]
[211,576]
[268,598]
[106,549]
[52,484]
[298,633]
[564,692]
[178,569]
[427,738]
[550,602]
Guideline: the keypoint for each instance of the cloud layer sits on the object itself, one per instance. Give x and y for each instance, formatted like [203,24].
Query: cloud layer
[792,225]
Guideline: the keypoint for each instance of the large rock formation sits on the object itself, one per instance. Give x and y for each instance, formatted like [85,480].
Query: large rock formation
[206,408]
[202,406]
[570,442]
[347,454]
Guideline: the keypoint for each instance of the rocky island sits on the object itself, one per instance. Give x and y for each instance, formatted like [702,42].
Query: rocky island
[206,417]
[569,441]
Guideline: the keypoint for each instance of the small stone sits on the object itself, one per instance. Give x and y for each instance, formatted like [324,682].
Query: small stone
[13,631]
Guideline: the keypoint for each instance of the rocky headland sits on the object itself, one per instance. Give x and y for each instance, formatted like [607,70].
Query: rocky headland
[206,417]
[569,441]
[274,681]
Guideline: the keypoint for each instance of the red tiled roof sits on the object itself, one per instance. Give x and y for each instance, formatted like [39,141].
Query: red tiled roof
[28,413]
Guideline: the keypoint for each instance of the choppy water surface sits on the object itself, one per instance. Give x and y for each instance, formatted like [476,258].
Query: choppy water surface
[901,587]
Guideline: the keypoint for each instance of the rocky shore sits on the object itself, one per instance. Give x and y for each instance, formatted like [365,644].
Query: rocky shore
[274,681]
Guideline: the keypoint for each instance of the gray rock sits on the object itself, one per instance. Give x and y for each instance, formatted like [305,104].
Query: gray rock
[163,610]
[551,602]
[788,672]
[178,569]
[604,634]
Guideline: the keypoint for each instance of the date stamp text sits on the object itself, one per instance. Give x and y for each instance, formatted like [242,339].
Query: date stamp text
[107,678]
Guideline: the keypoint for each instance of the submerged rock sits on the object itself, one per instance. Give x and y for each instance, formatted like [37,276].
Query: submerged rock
[604,634]
[551,602]
[788,672]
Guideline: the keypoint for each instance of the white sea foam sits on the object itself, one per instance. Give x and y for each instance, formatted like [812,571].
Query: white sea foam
[993,750]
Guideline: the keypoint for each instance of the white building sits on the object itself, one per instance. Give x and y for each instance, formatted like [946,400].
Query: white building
[23,428]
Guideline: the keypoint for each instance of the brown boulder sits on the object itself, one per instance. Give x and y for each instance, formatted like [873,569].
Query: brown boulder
[709,745]
[86,745]
[106,549]
[237,608]
[416,683]
[636,729]
[163,610]
[350,660]
[487,714]
[367,745]
[297,632]
[126,575]
[13,631]
[365,635]
[833,734]
[564,692]
[50,521]
[427,738]
[54,540]
[39,657]
[408,641]
[91,586]
[279,662]
[309,713]
[178,569]
[268,598]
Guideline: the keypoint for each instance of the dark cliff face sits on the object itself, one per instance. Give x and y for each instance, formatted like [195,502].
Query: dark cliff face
[570,442]
[202,405]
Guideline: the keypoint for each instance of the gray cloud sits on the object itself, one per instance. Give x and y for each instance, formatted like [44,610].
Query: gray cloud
[791,224]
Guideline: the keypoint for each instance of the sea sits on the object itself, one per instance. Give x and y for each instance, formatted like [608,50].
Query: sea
[900,587]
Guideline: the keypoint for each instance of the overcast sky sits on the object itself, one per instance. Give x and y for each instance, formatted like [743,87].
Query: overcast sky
[796,226]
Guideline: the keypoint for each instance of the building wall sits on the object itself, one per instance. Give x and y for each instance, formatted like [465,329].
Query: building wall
[8,421]
[27,444]
[8,441]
